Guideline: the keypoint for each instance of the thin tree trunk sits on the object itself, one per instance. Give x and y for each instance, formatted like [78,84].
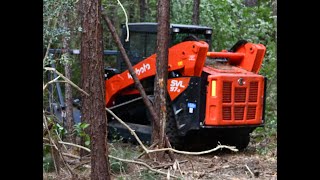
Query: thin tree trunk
[131,70]
[196,14]
[93,107]
[56,158]
[160,86]
[83,74]
[143,10]
[138,85]
[69,106]
[113,15]
[68,89]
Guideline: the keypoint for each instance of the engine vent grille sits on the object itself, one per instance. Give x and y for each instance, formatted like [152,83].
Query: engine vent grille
[238,112]
[239,103]
[226,96]
[226,113]
[253,92]
[240,94]
[251,113]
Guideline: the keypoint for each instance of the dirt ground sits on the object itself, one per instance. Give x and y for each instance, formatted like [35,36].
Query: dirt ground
[225,165]
[251,163]
[229,166]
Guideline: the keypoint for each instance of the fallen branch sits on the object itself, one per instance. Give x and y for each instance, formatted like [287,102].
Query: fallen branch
[56,148]
[66,164]
[131,130]
[144,152]
[192,168]
[71,155]
[119,159]
[167,165]
[177,163]
[85,162]
[57,81]
[50,82]
[60,140]
[66,79]
[250,171]
[51,142]
[71,144]
[141,163]
[232,148]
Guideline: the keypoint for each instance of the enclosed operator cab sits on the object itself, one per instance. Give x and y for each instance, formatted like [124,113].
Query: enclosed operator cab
[143,39]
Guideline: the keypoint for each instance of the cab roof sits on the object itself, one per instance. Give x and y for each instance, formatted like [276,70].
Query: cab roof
[152,27]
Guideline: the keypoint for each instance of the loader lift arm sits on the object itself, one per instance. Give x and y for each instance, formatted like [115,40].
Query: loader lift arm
[248,56]
[187,58]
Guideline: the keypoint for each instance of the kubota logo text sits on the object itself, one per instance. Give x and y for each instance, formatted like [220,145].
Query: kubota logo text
[143,69]
[175,86]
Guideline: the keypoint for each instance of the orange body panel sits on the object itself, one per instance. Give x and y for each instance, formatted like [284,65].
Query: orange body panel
[232,103]
[176,86]
[187,57]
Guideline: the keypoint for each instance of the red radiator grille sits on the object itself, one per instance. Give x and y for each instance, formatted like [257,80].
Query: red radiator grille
[251,113]
[243,102]
[238,112]
[226,113]
[240,94]
[226,96]
[253,92]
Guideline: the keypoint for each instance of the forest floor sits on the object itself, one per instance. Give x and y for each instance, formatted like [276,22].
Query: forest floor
[257,161]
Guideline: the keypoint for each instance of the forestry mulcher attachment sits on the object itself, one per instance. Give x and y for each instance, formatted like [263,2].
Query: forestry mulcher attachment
[212,96]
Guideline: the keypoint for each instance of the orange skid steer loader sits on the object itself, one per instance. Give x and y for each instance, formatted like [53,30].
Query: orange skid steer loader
[212,96]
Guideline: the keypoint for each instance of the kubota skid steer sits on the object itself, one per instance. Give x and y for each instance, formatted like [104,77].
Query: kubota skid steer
[212,96]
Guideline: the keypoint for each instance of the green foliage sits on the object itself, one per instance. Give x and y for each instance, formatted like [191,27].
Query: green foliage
[47,162]
[57,129]
[55,14]
[119,167]
[232,21]
[79,129]
[53,11]
[60,130]
[181,11]
[115,135]
[149,175]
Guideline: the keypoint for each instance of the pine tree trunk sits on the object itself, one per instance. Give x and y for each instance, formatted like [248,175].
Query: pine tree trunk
[68,88]
[162,72]
[69,106]
[196,15]
[93,106]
